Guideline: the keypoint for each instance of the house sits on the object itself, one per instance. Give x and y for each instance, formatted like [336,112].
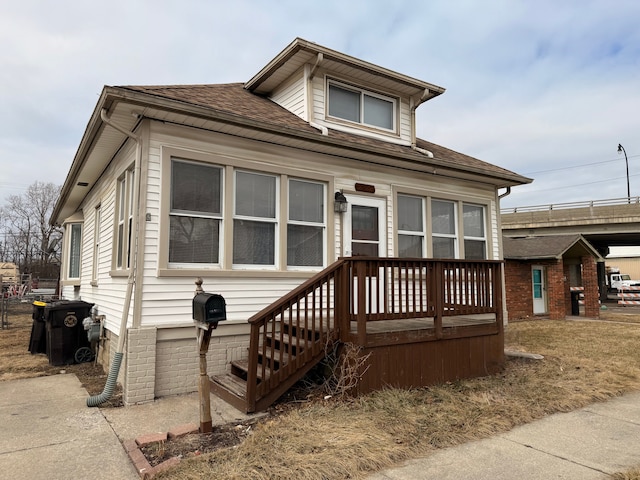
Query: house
[302,184]
[545,274]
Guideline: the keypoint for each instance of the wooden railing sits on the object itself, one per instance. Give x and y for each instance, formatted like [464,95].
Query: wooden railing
[294,332]
[394,289]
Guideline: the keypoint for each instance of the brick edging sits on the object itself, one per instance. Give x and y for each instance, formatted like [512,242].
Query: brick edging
[140,462]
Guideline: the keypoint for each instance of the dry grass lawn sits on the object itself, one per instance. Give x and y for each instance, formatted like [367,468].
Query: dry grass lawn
[584,362]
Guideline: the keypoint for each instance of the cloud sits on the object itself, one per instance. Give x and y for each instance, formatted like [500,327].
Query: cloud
[531,86]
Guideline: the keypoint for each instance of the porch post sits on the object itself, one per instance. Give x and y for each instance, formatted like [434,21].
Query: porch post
[438,285]
[361,275]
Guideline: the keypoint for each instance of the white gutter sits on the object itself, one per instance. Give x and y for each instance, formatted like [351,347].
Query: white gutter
[309,84]
[96,400]
[413,106]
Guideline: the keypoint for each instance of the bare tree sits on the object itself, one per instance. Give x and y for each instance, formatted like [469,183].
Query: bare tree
[29,240]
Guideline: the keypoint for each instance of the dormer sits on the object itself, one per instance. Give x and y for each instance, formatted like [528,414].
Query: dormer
[334,91]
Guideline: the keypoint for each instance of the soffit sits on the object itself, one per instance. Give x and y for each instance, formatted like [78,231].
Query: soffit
[300,52]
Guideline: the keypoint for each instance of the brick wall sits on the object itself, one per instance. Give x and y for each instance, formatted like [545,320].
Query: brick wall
[140,366]
[590,284]
[519,297]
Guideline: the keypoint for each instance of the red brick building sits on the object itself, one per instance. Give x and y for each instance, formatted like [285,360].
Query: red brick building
[541,271]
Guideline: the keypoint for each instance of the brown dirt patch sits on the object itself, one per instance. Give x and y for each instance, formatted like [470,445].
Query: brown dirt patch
[17,362]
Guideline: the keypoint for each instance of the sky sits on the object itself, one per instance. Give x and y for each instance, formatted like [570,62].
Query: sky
[544,88]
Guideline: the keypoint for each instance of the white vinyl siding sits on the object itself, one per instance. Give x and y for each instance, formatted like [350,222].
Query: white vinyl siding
[291,96]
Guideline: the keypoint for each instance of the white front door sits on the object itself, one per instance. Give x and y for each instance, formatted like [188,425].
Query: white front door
[539,290]
[365,227]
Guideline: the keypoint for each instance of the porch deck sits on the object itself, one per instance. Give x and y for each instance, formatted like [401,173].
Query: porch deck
[417,321]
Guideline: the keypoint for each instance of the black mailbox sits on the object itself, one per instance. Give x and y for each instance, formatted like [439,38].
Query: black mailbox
[209,308]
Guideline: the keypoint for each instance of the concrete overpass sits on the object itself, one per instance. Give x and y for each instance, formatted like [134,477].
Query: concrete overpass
[604,223]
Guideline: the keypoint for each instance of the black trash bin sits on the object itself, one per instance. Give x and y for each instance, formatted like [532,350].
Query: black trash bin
[67,340]
[38,340]
[575,303]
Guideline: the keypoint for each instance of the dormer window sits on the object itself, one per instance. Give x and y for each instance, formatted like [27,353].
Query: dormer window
[361,106]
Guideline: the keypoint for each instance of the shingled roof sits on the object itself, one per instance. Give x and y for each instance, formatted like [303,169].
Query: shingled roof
[545,247]
[234,99]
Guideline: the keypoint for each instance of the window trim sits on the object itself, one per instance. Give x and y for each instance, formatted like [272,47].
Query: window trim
[271,161]
[121,258]
[183,213]
[322,225]
[459,202]
[395,102]
[484,224]
[76,219]
[266,220]
[97,220]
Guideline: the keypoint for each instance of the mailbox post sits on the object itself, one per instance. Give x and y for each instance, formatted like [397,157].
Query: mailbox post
[207,310]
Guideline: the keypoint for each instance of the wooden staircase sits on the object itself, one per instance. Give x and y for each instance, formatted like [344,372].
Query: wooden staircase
[288,338]
[294,333]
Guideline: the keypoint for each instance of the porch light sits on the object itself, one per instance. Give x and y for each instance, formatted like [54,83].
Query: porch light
[340,204]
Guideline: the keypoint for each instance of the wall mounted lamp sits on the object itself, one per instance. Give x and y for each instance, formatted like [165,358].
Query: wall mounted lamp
[340,203]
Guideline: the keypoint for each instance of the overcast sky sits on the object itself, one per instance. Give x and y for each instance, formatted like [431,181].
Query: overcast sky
[545,88]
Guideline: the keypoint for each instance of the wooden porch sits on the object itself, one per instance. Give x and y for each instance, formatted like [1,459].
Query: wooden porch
[420,321]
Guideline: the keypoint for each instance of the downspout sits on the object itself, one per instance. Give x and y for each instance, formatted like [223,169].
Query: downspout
[505,309]
[412,107]
[112,378]
[309,80]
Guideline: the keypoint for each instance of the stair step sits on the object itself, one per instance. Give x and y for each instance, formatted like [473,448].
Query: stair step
[292,345]
[243,367]
[232,383]
[310,334]
[273,355]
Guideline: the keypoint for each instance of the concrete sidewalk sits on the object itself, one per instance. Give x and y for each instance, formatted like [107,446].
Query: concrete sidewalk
[591,443]
[47,431]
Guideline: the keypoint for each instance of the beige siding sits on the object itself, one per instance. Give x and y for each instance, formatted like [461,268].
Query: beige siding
[291,95]
[628,265]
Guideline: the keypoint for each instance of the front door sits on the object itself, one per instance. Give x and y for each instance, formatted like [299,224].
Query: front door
[539,290]
[364,227]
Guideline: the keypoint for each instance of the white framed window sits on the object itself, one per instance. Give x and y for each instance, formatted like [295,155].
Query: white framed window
[306,224]
[255,219]
[124,219]
[75,249]
[361,106]
[444,234]
[195,213]
[96,243]
[475,240]
[411,226]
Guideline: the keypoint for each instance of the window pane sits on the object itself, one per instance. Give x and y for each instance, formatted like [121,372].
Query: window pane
[253,243]
[443,247]
[410,213]
[193,240]
[367,249]
[410,246]
[364,223]
[474,250]
[304,245]
[378,112]
[443,217]
[473,220]
[255,195]
[74,250]
[306,201]
[120,246]
[344,103]
[195,188]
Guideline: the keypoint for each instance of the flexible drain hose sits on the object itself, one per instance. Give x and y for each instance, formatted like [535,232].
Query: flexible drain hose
[110,386]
